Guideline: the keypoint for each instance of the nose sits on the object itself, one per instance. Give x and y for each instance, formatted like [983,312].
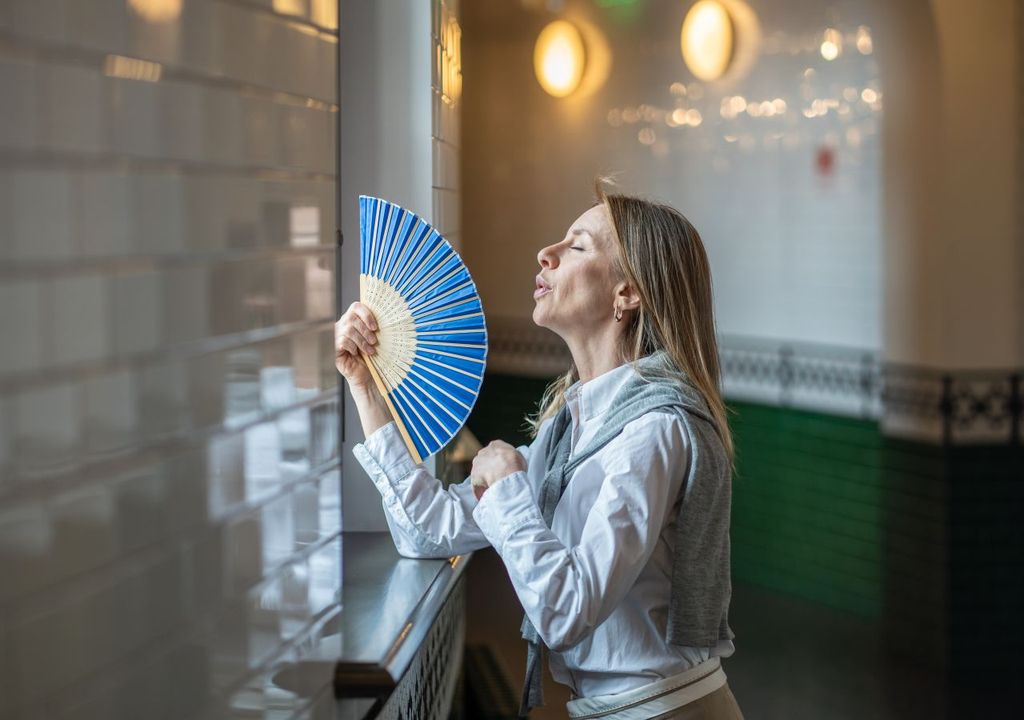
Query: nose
[547,257]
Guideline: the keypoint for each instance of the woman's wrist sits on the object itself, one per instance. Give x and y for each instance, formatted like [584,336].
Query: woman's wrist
[373,411]
[367,391]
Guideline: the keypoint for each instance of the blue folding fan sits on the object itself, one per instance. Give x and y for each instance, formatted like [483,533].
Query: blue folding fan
[431,337]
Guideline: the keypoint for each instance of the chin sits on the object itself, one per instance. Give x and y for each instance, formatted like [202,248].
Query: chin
[538,318]
[534,316]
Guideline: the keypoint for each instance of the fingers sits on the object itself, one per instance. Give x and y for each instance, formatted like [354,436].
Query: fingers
[346,345]
[363,336]
[355,331]
[364,314]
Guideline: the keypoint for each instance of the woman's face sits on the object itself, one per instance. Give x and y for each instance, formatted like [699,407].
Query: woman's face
[575,288]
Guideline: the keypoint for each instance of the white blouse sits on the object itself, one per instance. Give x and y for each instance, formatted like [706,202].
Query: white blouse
[596,585]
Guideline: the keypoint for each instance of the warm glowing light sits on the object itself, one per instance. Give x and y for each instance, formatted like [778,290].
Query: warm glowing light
[869,96]
[324,13]
[156,11]
[558,58]
[693,117]
[707,39]
[646,136]
[128,68]
[677,88]
[679,116]
[289,7]
[450,60]
[864,43]
[780,105]
[832,45]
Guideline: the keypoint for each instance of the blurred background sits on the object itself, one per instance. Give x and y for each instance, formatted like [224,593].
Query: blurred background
[181,517]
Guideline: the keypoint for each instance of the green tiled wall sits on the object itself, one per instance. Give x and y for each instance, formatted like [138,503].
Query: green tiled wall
[807,511]
[502,407]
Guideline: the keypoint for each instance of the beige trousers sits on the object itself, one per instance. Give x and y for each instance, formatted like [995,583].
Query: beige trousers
[718,705]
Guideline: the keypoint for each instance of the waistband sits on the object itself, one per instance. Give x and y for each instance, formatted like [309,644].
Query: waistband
[657,697]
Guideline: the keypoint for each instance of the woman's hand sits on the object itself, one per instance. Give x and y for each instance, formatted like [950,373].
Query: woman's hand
[494,462]
[355,331]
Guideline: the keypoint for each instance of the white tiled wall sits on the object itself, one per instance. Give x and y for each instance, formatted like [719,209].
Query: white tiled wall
[169,470]
[795,249]
[446,84]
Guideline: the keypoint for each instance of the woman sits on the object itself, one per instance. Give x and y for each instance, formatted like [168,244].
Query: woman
[613,523]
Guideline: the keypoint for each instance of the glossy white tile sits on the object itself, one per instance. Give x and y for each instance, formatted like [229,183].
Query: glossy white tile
[133,107]
[42,215]
[44,20]
[163,400]
[225,466]
[26,542]
[182,121]
[104,203]
[81,319]
[110,408]
[83,525]
[99,24]
[18,113]
[261,126]
[22,321]
[71,107]
[48,431]
[185,303]
[277,525]
[136,312]
[223,127]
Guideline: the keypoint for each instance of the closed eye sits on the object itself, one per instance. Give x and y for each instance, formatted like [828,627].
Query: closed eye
[575,247]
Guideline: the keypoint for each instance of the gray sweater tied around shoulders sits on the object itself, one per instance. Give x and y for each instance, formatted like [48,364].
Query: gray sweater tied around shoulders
[701,586]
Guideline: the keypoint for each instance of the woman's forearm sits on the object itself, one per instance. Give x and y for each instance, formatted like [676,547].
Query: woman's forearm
[373,411]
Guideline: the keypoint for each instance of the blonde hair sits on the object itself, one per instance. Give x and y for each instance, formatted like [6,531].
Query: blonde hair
[660,254]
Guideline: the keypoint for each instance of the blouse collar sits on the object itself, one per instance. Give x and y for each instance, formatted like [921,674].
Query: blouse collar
[590,399]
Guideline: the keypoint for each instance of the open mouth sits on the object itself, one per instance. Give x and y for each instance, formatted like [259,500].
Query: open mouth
[541,288]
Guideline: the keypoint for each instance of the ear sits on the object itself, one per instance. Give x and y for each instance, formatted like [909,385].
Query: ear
[626,296]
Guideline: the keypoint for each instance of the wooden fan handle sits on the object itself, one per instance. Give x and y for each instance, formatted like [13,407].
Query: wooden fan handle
[375,374]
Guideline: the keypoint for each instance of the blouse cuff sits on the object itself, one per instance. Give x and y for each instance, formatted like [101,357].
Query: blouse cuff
[384,456]
[507,506]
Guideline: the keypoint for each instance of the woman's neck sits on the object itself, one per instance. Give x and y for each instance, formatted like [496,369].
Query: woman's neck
[595,354]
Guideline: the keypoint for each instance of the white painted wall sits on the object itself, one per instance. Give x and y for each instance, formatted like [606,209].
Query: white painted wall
[955,265]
